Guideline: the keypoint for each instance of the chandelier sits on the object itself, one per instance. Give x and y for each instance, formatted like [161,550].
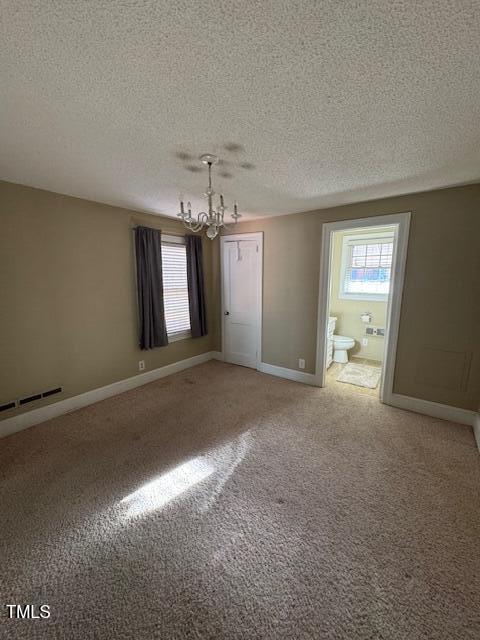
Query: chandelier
[214,219]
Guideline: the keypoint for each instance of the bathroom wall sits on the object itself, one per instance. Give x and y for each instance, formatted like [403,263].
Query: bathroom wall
[348,311]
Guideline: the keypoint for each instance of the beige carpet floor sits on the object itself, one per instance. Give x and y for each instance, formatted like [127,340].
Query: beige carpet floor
[223,503]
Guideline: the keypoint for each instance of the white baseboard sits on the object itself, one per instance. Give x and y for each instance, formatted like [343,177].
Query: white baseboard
[434,409]
[36,416]
[290,374]
[30,418]
[476,429]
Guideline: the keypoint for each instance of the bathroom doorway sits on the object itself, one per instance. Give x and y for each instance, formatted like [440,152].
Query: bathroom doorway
[361,285]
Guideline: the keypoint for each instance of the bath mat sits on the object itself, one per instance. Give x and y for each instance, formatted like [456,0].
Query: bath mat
[361,375]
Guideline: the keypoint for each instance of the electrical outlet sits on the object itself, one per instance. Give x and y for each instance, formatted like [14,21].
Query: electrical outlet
[141,365]
[301,363]
[365,342]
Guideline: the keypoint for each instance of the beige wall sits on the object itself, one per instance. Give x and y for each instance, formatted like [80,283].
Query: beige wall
[68,308]
[438,355]
[68,313]
[348,311]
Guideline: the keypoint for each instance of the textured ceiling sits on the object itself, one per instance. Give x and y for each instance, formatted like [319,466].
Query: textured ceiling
[322,102]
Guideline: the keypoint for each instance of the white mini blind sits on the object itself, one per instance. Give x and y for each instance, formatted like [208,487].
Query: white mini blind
[368,266]
[175,288]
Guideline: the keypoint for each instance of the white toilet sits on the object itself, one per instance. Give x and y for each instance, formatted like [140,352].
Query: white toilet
[341,344]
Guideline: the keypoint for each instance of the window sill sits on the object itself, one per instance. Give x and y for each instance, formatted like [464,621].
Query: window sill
[175,337]
[371,297]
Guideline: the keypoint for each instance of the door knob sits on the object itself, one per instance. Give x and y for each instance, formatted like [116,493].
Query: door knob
[226,313]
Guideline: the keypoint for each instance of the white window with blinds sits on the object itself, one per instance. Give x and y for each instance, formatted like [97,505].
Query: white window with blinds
[366,266]
[175,287]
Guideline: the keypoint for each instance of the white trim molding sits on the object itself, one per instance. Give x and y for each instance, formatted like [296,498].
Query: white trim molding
[433,409]
[36,416]
[401,224]
[476,429]
[289,374]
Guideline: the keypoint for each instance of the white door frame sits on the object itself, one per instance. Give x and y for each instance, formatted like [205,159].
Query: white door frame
[402,223]
[234,237]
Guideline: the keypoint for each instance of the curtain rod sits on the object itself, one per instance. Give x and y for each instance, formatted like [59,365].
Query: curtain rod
[136,226]
[169,233]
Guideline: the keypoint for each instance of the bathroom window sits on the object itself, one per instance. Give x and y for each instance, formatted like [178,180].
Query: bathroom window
[366,266]
[175,288]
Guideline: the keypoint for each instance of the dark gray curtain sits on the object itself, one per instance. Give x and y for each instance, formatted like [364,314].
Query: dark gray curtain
[196,287]
[151,314]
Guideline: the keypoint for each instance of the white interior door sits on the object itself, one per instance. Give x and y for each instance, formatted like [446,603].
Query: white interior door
[242,278]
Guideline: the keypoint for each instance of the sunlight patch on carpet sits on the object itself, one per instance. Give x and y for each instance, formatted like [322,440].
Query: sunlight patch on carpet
[221,461]
[162,490]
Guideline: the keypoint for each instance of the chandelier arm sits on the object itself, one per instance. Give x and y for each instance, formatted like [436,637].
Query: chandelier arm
[188,225]
[197,226]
